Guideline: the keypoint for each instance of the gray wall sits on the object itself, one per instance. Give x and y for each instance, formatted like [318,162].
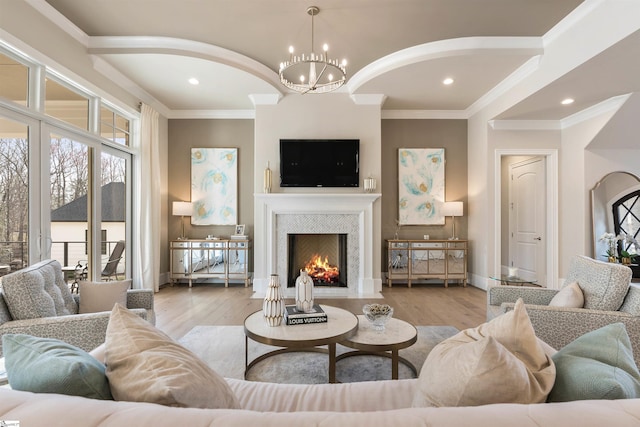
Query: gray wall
[448,134]
[200,133]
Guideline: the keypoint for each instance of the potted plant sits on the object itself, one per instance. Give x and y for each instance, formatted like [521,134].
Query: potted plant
[612,243]
[627,257]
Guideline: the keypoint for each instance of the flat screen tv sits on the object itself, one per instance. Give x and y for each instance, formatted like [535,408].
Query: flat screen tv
[319,162]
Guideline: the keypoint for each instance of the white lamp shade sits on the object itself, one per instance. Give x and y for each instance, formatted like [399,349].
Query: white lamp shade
[452,209]
[182,208]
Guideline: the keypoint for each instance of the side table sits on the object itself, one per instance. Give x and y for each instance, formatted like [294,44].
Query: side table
[507,280]
[396,335]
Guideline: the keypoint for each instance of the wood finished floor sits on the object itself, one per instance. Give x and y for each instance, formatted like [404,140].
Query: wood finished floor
[180,308]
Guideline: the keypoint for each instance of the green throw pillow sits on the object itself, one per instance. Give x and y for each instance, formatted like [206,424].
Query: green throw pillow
[47,365]
[597,365]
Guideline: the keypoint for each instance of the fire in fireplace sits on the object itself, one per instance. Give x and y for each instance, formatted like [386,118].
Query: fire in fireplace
[320,270]
[323,256]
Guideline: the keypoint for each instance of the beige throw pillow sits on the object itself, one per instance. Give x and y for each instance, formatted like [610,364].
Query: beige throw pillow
[501,361]
[102,296]
[569,296]
[146,365]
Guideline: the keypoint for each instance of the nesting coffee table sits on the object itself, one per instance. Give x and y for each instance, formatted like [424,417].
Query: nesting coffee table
[340,326]
[397,335]
[343,328]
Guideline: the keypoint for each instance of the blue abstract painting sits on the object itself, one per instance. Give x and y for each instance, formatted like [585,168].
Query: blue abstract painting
[420,186]
[214,186]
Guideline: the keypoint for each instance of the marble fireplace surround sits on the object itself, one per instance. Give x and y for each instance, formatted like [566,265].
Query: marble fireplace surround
[277,215]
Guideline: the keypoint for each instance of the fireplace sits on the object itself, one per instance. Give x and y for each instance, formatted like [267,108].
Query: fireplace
[323,256]
[278,215]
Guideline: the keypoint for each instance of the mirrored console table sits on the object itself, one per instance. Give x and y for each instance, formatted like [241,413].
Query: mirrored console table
[220,259]
[410,260]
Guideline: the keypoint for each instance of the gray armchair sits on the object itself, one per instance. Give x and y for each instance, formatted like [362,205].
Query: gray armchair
[609,298]
[48,309]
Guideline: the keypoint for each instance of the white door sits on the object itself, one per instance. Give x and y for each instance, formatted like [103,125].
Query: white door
[527,221]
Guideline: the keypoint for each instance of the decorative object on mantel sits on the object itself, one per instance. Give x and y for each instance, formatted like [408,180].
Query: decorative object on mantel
[267,179]
[420,186]
[378,315]
[182,209]
[369,185]
[273,305]
[316,73]
[452,209]
[304,292]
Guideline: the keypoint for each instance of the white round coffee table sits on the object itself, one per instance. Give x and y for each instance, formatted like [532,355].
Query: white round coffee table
[396,335]
[340,325]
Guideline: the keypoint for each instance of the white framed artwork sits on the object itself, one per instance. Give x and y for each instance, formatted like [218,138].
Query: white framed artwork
[420,186]
[214,186]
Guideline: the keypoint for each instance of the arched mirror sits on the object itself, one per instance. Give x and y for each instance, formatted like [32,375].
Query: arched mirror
[614,190]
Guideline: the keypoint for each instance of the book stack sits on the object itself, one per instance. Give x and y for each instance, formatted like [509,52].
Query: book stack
[294,317]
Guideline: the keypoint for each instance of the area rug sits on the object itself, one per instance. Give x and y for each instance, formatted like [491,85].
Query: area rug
[223,349]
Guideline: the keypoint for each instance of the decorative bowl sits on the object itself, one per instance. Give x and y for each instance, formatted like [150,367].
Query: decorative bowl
[378,315]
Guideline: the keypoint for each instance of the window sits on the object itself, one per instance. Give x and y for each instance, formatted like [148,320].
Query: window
[66,104]
[14,206]
[14,80]
[113,126]
[65,176]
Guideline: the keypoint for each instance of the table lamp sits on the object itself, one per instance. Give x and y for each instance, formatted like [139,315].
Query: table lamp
[182,209]
[452,209]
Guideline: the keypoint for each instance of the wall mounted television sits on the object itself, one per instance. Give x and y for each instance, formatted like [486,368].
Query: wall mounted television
[319,162]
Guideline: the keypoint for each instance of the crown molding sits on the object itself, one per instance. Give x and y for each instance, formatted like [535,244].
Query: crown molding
[505,85]
[46,10]
[609,105]
[265,98]
[442,49]
[175,46]
[113,74]
[368,99]
[424,114]
[212,114]
[525,124]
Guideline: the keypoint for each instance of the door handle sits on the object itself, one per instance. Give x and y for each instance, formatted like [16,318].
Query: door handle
[537,238]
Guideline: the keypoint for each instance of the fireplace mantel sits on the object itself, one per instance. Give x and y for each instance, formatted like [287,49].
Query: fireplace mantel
[359,212]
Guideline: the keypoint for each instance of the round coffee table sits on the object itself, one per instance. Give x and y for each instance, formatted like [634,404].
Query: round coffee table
[340,325]
[396,335]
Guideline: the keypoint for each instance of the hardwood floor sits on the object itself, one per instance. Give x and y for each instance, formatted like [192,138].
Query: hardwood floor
[180,308]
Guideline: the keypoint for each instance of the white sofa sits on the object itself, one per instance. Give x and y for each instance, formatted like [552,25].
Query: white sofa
[378,403]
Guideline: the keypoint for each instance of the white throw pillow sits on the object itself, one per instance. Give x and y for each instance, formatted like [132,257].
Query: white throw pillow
[569,296]
[146,365]
[102,296]
[501,361]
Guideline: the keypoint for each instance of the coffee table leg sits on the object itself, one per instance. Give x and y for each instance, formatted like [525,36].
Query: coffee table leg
[246,355]
[332,363]
[394,364]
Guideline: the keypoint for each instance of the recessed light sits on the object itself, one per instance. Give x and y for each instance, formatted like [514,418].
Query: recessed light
[447,81]
[194,81]
[567,101]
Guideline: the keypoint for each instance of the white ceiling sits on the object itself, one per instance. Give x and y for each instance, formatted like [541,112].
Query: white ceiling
[401,49]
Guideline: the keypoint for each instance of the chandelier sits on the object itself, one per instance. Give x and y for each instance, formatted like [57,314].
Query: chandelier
[312,73]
